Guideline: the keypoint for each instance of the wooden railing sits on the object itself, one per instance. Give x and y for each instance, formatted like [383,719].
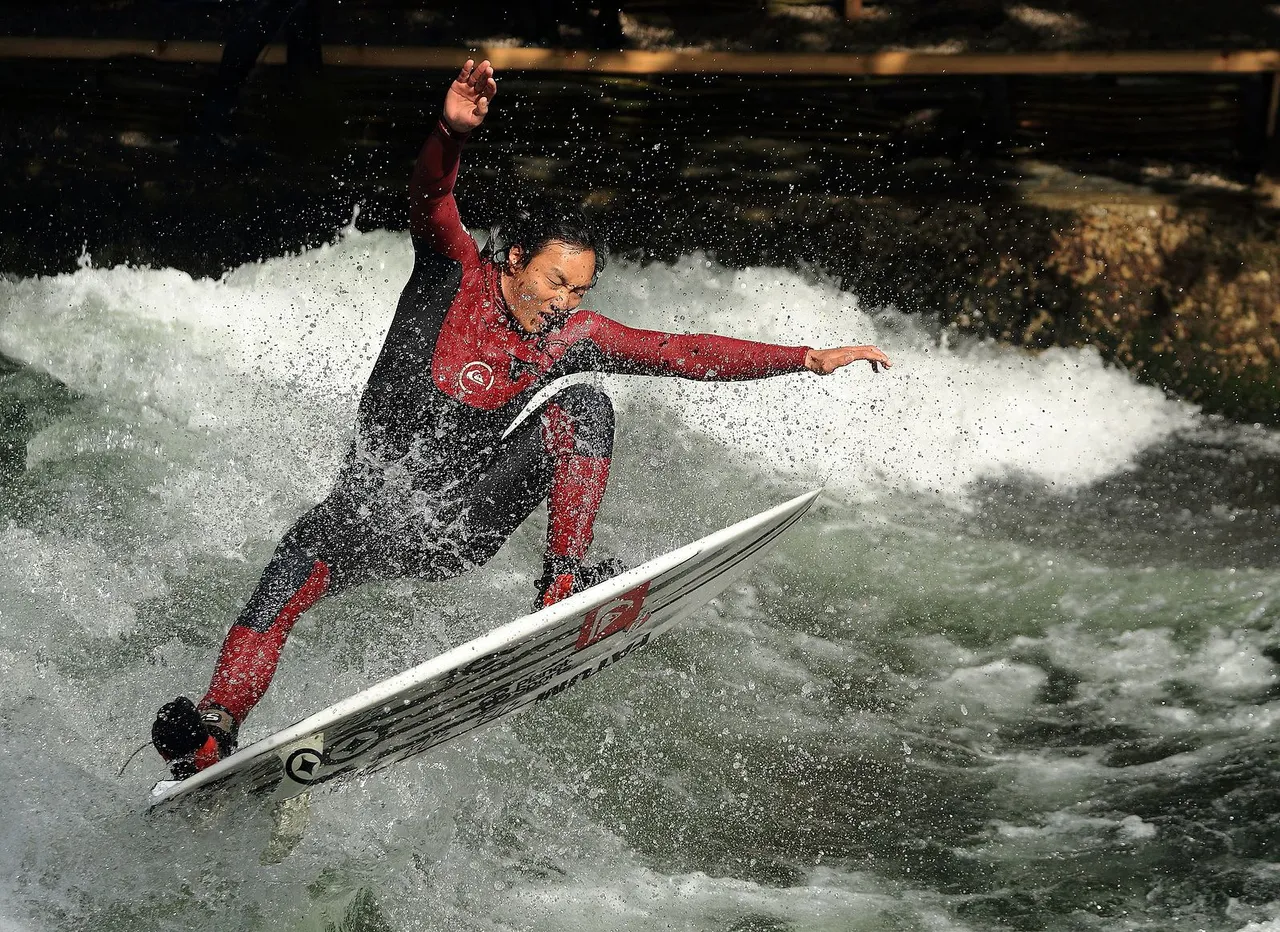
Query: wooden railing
[913,64]
[1230,97]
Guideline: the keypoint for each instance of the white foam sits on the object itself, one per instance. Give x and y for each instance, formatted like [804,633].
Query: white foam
[1131,672]
[52,579]
[634,897]
[1270,925]
[942,418]
[1001,688]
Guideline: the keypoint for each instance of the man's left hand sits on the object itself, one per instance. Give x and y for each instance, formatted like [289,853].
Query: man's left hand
[827,361]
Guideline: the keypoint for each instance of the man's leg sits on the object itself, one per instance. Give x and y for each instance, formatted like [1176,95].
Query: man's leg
[577,430]
[560,453]
[193,736]
[247,38]
[292,582]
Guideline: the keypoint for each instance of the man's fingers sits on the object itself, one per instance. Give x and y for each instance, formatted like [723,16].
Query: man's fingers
[475,76]
[479,79]
[876,357]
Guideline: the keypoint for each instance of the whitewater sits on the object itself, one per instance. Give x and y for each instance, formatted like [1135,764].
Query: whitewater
[1018,669]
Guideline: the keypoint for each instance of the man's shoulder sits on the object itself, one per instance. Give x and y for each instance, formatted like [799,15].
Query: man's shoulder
[576,342]
[586,323]
[580,325]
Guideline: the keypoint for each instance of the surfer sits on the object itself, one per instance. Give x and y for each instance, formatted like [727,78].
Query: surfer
[442,468]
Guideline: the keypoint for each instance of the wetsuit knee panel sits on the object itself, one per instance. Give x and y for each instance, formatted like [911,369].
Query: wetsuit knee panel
[289,570]
[583,415]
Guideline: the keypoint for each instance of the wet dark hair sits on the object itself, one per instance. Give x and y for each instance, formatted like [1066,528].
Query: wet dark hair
[541,221]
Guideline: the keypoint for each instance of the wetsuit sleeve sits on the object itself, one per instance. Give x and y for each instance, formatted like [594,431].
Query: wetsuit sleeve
[703,356]
[433,213]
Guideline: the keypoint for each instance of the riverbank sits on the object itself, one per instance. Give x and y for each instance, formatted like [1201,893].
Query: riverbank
[1186,296]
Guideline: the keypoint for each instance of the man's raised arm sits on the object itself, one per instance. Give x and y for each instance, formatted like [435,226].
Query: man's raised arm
[433,212]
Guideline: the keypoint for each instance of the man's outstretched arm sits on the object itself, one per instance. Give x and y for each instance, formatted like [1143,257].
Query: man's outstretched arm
[714,358]
[433,212]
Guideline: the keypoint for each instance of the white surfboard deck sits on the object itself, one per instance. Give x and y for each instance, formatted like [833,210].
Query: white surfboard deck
[532,658]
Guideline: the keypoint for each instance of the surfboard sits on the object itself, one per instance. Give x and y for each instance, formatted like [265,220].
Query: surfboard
[531,659]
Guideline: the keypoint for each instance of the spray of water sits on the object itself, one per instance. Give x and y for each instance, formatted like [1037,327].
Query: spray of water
[835,742]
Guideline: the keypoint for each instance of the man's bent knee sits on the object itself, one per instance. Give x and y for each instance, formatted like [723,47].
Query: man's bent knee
[581,416]
[290,570]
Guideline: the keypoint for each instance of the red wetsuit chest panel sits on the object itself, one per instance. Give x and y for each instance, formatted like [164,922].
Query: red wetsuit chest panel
[480,359]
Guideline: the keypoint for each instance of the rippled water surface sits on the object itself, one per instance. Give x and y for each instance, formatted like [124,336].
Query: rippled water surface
[1017,670]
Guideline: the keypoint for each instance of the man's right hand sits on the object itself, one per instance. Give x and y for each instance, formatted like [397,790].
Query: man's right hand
[467,103]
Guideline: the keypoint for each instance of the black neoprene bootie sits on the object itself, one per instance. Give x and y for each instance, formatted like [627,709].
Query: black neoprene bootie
[222,728]
[592,574]
[563,576]
[190,739]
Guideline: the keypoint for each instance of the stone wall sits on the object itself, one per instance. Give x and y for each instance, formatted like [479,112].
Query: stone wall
[1186,297]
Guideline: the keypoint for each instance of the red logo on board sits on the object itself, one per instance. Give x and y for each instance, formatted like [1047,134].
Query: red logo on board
[622,614]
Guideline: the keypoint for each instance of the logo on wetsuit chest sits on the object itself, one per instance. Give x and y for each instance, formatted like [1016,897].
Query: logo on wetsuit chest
[476,377]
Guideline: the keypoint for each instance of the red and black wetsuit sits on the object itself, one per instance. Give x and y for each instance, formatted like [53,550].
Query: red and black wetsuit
[437,478]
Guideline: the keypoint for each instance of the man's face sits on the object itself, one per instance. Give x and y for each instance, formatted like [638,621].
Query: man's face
[543,289]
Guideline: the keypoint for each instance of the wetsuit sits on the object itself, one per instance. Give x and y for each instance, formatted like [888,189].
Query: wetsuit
[437,477]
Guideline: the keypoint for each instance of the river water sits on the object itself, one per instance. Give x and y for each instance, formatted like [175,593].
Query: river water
[1018,669]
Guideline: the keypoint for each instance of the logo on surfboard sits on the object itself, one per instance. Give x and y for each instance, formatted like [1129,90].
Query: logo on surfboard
[622,614]
[303,764]
[352,746]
